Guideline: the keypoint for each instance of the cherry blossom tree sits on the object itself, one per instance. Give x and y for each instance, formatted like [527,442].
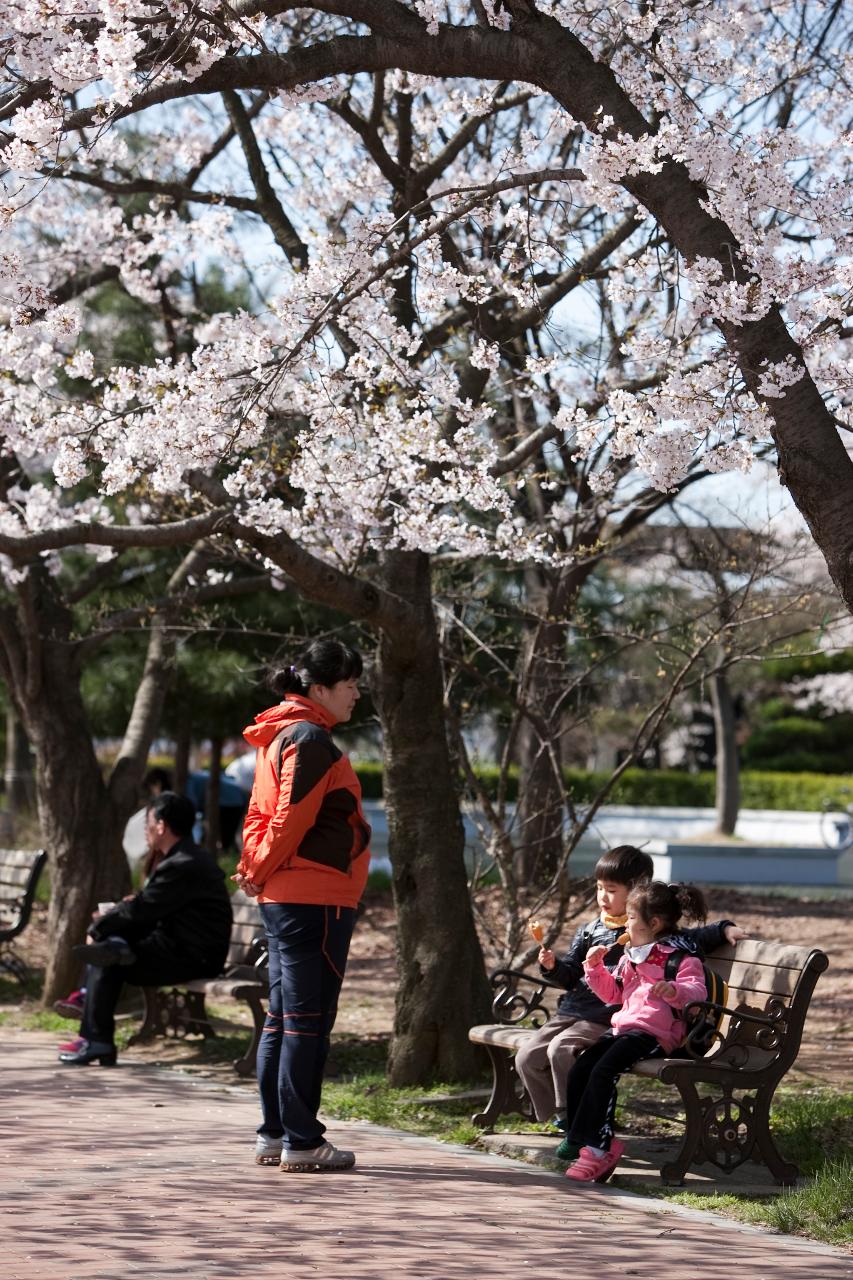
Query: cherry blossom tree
[433,183]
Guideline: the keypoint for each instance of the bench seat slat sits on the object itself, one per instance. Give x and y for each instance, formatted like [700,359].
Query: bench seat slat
[506,1037]
[225,988]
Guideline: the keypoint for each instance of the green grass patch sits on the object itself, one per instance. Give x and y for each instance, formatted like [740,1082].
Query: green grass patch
[820,1209]
[357,1088]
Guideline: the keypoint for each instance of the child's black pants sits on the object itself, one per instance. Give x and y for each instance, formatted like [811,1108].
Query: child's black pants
[591,1095]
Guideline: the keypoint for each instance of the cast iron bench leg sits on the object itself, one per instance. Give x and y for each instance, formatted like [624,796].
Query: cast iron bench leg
[245,1066]
[783,1171]
[503,1100]
[673,1174]
[150,1018]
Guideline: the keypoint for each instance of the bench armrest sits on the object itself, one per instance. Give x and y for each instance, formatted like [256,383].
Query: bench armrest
[511,1005]
[772,1024]
[259,951]
[693,1045]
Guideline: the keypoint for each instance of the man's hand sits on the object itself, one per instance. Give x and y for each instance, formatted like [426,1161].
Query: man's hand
[595,956]
[547,959]
[733,933]
[248,886]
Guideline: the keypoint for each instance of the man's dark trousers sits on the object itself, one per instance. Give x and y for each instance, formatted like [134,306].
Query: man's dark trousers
[156,965]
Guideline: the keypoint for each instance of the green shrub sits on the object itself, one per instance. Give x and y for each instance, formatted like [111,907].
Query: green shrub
[370,776]
[798,742]
[664,788]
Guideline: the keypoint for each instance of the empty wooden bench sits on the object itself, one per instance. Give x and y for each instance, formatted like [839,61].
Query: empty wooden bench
[20,870]
[727,1093]
[180,1010]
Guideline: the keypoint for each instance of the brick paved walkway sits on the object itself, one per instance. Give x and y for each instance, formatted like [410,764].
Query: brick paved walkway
[134,1172]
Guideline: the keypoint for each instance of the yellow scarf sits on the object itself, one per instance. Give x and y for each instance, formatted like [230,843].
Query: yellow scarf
[613,922]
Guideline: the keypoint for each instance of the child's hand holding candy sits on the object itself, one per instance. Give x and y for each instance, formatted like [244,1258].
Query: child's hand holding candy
[595,956]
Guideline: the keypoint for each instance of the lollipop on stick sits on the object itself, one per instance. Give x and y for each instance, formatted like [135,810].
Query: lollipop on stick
[537,929]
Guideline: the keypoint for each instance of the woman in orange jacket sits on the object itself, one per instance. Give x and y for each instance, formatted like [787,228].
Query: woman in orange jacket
[305,857]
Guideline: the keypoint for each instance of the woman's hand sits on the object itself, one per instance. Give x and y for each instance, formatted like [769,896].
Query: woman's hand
[547,959]
[248,886]
[595,957]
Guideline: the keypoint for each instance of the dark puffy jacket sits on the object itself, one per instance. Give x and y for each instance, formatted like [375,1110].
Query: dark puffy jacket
[579,1001]
[185,902]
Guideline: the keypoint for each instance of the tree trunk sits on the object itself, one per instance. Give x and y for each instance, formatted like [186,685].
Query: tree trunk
[727,766]
[18,776]
[183,742]
[541,792]
[442,987]
[212,832]
[82,817]
[81,827]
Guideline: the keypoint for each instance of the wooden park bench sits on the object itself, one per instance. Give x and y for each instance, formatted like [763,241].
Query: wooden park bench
[727,1093]
[20,870]
[180,1010]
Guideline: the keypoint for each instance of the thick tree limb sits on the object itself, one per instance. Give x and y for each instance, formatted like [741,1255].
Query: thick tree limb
[88,533]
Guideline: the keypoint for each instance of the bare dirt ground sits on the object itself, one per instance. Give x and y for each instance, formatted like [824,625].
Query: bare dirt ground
[367,1001]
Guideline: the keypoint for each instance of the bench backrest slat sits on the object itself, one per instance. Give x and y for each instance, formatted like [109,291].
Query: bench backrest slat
[20,857]
[771,979]
[776,955]
[19,875]
[246,927]
[745,979]
[14,877]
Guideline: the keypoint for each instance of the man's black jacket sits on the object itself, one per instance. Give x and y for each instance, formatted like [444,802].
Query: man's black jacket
[185,903]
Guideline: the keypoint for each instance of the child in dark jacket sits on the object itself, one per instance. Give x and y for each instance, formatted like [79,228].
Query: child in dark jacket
[545,1059]
[648,1021]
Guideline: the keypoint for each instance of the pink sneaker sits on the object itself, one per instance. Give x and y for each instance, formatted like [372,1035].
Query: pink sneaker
[71,1006]
[592,1168]
[71,1046]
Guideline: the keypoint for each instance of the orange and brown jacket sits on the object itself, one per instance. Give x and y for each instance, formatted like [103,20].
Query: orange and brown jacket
[305,838]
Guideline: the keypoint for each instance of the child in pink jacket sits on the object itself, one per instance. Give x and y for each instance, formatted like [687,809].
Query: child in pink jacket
[648,1024]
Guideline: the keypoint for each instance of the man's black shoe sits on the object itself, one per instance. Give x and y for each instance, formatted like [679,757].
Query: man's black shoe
[90,1051]
[111,951]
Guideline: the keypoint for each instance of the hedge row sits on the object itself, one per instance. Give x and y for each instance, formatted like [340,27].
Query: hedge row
[667,788]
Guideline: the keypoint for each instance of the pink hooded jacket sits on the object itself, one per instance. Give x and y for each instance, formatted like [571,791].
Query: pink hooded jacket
[630,985]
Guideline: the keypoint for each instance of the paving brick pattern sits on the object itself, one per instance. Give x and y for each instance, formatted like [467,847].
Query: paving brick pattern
[135,1172]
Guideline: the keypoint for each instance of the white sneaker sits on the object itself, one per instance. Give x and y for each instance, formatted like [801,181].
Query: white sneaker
[321,1158]
[267,1150]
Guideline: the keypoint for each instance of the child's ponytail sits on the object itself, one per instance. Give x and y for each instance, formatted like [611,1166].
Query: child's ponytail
[691,900]
[668,903]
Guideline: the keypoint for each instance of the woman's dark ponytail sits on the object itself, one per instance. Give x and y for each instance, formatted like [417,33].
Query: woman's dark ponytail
[324,662]
[285,680]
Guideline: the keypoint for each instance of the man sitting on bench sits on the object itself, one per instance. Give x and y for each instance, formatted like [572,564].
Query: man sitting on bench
[175,929]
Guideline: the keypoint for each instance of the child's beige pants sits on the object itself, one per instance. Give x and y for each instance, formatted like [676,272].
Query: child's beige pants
[545,1059]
